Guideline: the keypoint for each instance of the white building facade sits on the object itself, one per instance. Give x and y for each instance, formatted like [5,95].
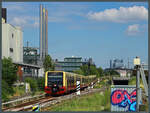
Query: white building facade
[12,42]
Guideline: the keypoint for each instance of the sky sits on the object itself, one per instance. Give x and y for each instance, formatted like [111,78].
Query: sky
[101,30]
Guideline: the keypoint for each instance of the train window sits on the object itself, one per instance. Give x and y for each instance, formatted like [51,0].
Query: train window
[55,78]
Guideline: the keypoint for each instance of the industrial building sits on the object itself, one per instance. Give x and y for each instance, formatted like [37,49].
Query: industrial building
[12,46]
[12,41]
[28,60]
[117,63]
[71,64]
[30,55]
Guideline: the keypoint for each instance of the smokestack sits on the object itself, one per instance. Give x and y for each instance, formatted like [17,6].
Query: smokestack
[41,31]
[46,46]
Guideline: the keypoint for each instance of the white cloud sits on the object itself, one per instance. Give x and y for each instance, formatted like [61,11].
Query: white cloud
[121,15]
[24,21]
[133,29]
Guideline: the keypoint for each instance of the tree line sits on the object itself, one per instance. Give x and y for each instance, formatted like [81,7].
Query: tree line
[9,75]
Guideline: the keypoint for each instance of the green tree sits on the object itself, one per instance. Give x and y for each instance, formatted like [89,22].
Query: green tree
[85,69]
[6,90]
[79,72]
[9,71]
[100,71]
[48,64]
[111,72]
[93,70]
[41,83]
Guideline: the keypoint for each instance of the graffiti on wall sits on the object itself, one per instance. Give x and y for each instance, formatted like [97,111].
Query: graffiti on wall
[122,98]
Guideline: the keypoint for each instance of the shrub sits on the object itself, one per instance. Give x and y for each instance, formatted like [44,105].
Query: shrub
[41,83]
[9,71]
[6,91]
[33,83]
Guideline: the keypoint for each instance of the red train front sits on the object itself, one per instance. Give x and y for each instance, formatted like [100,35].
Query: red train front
[54,83]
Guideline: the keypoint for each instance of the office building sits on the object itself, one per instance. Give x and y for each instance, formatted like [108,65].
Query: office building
[117,64]
[71,64]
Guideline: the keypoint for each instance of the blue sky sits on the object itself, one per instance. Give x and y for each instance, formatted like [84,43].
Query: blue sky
[101,30]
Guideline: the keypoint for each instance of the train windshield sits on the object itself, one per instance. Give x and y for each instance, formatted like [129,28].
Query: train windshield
[55,78]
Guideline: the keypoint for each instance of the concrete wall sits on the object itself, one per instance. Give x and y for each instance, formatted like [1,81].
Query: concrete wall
[12,37]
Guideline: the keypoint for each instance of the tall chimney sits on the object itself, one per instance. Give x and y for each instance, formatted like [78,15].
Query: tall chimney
[46,43]
[41,32]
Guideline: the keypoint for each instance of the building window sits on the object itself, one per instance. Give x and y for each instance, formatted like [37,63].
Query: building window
[12,35]
[11,50]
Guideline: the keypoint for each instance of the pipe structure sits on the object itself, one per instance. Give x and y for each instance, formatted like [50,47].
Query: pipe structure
[41,32]
[46,46]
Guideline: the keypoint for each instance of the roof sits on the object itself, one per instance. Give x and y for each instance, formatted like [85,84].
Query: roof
[73,57]
[27,65]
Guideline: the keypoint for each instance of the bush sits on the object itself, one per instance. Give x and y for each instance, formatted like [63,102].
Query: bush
[33,84]
[9,71]
[6,90]
[9,76]
[41,83]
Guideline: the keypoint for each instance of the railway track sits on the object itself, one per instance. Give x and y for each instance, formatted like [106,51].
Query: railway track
[45,102]
[28,105]
[49,101]
[16,102]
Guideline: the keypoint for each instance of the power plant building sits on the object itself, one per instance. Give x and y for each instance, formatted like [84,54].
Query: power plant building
[12,42]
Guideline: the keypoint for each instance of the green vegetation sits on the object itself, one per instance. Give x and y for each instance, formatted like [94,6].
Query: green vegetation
[9,76]
[99,101]
[132,81]
[112,72]
[48,64]
[9,71]
[41,83]
[104,83]
[90,70]
[36,85]
[93,70]
[33,84]
[19,90]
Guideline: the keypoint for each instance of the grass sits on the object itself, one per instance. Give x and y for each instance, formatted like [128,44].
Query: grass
[19,90]
[105,82]
[99,101]
[133,82]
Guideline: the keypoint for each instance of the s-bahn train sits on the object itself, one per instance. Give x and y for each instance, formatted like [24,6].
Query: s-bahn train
[60,82]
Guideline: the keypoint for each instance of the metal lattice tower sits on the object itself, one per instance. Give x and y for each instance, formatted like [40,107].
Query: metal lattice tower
[144,80]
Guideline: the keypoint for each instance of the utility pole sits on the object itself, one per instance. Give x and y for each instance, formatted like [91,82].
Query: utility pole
[137,66]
